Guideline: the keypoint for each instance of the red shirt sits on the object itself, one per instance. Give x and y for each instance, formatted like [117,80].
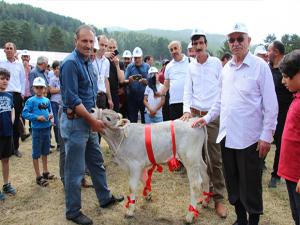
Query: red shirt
[289,161]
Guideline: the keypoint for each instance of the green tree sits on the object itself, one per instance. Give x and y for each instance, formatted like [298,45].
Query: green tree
[26,36]
[291,42]
[224,49]
[270,38]
[9,32]
[55,39]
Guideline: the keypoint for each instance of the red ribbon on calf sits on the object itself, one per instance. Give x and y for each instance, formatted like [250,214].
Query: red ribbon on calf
[129,201]
[173,162]
[208,195]
[193,210]
[148,144]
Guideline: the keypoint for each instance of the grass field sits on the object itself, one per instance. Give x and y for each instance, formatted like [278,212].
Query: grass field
[34,205]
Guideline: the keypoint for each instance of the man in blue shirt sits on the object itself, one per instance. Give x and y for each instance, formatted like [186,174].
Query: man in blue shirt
[78,127]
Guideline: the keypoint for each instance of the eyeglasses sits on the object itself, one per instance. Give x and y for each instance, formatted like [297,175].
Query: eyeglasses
[238,39]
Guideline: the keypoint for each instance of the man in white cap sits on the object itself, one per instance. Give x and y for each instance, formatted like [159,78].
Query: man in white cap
[127,56]
[260,51]
[136,74]
[201,90]
[191,51]
[248,108]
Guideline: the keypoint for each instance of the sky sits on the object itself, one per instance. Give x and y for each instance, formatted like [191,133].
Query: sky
[262,17]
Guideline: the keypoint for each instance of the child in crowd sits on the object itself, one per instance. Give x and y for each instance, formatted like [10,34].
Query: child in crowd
[6,122]
[38,110]
[152,102]
[55,99]
[289,161]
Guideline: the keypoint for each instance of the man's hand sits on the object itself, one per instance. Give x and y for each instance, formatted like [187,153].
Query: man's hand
[152,112]
[186,116]
[98,126]
[50,116]
[109,55]
[143,81]
[110,104]
[41,119]
[199,123]
[130,79]
[298,187]
[116,61]
[263,148]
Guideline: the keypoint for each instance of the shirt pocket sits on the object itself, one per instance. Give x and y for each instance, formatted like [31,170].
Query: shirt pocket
[247,86]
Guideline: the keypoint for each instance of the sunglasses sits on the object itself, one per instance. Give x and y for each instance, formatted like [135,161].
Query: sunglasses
[238,39]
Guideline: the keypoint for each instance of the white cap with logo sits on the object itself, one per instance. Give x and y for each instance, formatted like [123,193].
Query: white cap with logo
[238,28]
[197,31]
[38,81]
[152,69]
[137,52]
[96,43]
[25,52]
[190,45]
[260,49]
[127,54]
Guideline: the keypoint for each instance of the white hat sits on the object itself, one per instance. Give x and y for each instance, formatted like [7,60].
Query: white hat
[238,28]
[24,52]
[96,43]
[127,54]
[197,31]
[260,49]
[137,52]
[190,45]
[38,81]
[152,69]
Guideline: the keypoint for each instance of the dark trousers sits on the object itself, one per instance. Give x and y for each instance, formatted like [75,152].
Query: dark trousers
[165,108]
[18,106]
[277,137]
[294,200]
[176,111]
[55,108]
[116,100]
[134,106]
[243,177]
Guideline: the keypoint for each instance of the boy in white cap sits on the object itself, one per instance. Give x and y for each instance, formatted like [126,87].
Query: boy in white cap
[248,108]
[153,103]
[38,110]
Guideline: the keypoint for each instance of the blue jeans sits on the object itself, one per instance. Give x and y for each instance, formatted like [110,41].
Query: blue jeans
[154,119]
[81,146]
[55,107]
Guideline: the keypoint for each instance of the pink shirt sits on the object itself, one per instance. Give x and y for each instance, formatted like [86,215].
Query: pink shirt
[289,161]
[27,69]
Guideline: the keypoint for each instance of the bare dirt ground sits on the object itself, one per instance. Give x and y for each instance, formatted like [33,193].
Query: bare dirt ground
[34,205]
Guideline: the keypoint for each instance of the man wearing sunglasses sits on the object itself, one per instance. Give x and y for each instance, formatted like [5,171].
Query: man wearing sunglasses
[248,112]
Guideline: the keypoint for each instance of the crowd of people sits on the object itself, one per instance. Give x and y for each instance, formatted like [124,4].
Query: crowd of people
[245,100]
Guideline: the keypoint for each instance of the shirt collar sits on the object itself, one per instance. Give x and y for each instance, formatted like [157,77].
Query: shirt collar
[247,60]
[81,57]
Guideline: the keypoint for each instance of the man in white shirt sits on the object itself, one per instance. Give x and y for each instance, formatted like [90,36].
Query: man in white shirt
[248,115]
[101,65]
[175,74]
[201,90]
[16,86]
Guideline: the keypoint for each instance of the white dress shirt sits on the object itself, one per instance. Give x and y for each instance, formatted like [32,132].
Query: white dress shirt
[247,104]
[17,76]
[101,66]
[176,72]
[202,85]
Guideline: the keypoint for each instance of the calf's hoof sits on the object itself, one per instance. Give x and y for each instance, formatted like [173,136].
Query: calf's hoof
[128,214]
[148,197]
[189,218]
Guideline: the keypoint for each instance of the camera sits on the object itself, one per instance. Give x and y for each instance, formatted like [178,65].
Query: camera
[116,52]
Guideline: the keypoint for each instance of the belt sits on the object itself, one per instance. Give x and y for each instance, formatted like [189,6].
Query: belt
[71,114]
[198,112]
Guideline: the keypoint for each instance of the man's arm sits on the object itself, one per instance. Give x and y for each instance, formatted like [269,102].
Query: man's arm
[22,79]
[187,97]
[120,73]
[108,94]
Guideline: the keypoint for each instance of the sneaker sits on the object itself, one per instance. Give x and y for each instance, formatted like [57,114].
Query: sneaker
[81,219]
[8,189]
[2,196]
[273,182]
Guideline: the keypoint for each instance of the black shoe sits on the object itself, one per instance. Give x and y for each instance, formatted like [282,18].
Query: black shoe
[25,136]
[273,182]
[18,153]
[113,200]
[81,219]
[236,223]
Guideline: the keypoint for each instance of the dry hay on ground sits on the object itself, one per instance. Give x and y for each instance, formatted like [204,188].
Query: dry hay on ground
[34,205]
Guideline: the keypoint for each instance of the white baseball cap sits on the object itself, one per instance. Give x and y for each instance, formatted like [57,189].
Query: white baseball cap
[25,52]
[152,69]
[127,54]
[96,43]
[190,45]
[137,52]
[38,81]
[260,49]
[238,28]
[197,31]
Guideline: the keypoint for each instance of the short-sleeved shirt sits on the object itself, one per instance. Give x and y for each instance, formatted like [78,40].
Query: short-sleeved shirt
[101,66]
[153,102]
[6,106]
[176,72]
[54,82]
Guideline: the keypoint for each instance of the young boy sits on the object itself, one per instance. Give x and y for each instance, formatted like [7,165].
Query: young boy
[289,161]
[152,102]
[38,110]
[6,122]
